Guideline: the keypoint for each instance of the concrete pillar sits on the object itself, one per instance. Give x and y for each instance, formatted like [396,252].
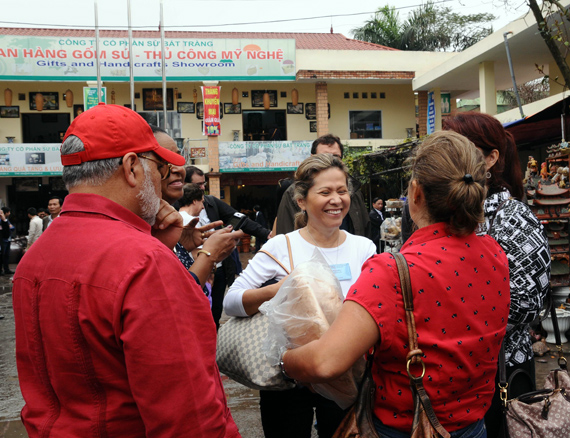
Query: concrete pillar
[487,90]
[422,112]
[555,76]
[322,99]
[214,166]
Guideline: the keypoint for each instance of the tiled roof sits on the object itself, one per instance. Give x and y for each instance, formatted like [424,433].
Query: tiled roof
[304,41]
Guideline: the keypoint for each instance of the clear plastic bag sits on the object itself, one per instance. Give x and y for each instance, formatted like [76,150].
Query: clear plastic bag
[302,311]
[391,228]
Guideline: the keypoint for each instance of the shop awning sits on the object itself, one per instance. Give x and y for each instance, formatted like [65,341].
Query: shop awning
[541,128]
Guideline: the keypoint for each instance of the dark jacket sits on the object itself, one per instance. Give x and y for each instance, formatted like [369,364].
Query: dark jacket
[375,222]
[260,219]
[219,210]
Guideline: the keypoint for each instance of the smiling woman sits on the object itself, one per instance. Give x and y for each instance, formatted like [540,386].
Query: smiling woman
[173,186]
[321,191]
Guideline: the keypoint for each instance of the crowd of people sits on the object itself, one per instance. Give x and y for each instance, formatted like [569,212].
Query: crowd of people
[116,330]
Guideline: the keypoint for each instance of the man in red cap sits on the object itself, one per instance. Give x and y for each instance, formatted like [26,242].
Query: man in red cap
[113,336]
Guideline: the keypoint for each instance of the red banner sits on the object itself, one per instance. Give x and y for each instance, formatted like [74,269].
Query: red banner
[211,110]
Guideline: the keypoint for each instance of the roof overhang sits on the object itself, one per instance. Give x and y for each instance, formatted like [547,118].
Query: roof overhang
[460,75]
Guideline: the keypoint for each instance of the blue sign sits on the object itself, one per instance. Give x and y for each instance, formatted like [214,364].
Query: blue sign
[431,114]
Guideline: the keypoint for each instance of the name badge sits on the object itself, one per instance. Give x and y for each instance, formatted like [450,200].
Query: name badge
[342,271]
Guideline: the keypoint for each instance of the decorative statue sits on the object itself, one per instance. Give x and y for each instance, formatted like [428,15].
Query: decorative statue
[544,171]
[563,177]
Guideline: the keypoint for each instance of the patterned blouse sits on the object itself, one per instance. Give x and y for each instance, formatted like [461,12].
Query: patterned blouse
[522,237]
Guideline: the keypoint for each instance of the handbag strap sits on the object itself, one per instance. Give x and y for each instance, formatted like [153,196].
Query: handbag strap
[415,354]
[277,261]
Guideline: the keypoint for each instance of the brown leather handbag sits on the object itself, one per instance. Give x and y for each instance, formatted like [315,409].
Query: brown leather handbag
[358,423]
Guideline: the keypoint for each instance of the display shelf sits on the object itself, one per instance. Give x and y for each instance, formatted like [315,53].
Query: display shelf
[548,196]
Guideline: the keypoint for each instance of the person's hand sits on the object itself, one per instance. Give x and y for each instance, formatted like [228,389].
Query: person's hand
[2,217]
[168,225]
[222,242]
[192,236]
[270,235]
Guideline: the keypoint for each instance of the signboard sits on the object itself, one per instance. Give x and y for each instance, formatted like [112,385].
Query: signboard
[25,58]
[30,159]
[211,97]
[262,156]
[197,152]
[445,103]
[90,98]
[430,114]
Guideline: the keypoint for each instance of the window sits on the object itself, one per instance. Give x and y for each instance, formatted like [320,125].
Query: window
[365,124]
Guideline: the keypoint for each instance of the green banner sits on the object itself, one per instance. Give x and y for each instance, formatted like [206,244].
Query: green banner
[90,98]
[74,59]
[262,156]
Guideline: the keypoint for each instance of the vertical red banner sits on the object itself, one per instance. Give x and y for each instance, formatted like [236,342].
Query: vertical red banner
[211,110]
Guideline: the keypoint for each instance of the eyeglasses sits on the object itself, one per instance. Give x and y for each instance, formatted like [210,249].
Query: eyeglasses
[163,168]
[202,183]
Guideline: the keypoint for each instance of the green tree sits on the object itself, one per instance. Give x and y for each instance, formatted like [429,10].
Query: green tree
[384,28]
[430,27]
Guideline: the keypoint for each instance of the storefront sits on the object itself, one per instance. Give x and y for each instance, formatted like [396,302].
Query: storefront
[274,88]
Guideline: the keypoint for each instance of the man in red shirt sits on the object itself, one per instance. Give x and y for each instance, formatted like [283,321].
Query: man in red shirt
[113,336]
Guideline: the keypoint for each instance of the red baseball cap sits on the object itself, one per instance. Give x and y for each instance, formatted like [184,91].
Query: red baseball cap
[111,131]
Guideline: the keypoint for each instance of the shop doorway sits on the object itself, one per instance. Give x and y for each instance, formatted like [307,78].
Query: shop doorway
[264,125]
[44,127]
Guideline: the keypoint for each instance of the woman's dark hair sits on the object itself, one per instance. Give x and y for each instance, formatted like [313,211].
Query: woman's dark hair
[487,133]
[305,178]
[451,173]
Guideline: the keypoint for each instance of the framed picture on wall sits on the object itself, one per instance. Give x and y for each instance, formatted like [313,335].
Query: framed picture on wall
[257,98]
[186,107]
[51,100]
[9,112]
[313,126]
[77,109]
[311,111]
[152,99]
[294,109]
[230,108]
[26,184]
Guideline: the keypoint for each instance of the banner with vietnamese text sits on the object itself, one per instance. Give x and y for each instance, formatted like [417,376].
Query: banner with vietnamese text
[30,159]
[211,97]
[68,58]
[262,156]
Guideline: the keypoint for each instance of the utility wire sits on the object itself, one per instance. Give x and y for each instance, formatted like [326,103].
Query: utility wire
[68,26]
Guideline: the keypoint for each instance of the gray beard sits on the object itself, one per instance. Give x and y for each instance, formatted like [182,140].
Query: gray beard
[148,200]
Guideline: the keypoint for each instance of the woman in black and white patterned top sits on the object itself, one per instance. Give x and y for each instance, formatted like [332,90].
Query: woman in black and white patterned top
[521,236]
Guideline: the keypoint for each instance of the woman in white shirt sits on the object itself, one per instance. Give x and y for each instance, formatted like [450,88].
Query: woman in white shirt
[321,190]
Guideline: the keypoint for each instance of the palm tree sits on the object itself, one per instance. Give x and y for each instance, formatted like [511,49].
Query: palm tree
[384,28]
[429,28]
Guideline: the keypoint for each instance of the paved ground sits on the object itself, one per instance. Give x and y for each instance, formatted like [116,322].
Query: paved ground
[243,402]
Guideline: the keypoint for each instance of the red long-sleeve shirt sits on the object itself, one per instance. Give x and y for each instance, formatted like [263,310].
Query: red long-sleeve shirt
[113,336]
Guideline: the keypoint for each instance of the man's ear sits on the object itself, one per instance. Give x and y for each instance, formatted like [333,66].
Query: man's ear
[131,168]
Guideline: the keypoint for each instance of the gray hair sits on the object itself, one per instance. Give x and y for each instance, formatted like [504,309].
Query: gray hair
[92,173]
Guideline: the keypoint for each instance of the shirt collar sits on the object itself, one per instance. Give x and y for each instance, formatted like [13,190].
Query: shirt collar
[426,234]
[95,204]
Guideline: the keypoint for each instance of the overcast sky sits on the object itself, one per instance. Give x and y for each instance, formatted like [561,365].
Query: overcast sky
[224,15]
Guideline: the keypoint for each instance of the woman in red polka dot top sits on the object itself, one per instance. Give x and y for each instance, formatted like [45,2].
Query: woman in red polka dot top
[460,287]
